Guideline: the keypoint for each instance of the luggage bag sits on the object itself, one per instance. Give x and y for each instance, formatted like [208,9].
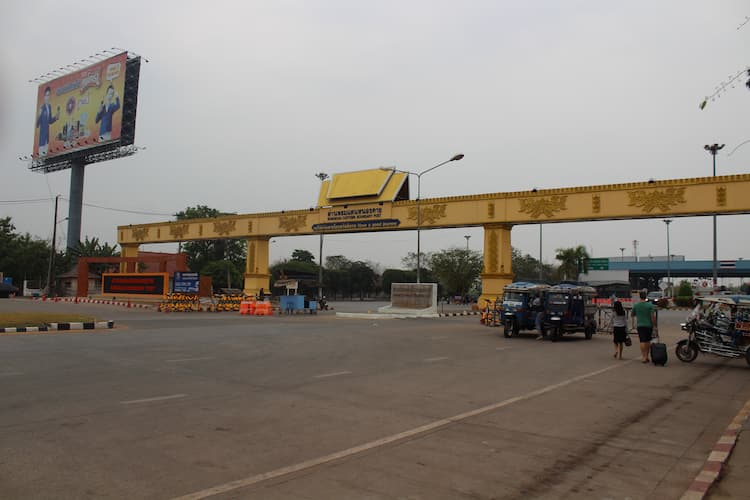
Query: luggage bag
[658,352]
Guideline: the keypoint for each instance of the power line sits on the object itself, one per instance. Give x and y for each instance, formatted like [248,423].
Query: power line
[44,200]
[33,200]
[138,212]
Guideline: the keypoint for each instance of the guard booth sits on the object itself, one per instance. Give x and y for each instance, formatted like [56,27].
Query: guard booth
[290,302]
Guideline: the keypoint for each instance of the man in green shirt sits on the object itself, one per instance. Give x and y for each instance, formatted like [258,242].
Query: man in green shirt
[644,318]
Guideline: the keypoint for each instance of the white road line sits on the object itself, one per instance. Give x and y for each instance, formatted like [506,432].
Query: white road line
[149,400]
[432,360]
[187,359]
[501,348]
[258,478]
[334,374]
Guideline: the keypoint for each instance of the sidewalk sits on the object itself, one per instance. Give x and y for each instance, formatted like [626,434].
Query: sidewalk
[734,480]
[726,472]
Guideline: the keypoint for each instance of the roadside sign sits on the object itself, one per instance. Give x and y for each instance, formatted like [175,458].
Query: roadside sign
[185,282]
[599,264]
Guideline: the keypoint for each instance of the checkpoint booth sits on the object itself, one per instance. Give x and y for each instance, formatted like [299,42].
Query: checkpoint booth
[290,302]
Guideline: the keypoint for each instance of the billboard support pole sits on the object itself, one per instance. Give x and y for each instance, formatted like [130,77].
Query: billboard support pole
[75,206]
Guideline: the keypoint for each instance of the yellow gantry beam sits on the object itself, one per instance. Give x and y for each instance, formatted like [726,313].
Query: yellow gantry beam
[497,212]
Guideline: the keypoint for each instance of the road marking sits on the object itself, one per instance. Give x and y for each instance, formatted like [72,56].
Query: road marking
[148,400]
[408,434]
[334,374]
[501,348]
[187,359]
[432,360]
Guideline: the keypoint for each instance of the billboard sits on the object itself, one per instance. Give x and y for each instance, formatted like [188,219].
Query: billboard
[81,110]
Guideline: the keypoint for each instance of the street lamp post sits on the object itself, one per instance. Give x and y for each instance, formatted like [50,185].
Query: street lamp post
[322,176]
[419,204]
[669,259]
[713,149]
[541,266]
[622,254]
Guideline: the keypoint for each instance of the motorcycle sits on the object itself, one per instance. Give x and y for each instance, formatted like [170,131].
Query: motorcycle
[719,326]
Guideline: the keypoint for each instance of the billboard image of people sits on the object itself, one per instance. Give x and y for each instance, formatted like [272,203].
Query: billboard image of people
[81,109]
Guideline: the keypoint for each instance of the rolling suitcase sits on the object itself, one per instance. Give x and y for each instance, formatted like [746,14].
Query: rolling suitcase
[658,352]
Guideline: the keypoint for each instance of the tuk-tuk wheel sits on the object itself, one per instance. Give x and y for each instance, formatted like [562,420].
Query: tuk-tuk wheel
[555,334]
[687,351]
[508,330]
[589,332]
[747,355]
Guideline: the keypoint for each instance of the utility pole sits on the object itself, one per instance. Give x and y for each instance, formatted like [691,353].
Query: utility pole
[50,269]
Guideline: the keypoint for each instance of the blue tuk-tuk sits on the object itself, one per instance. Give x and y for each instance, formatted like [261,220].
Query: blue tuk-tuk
[570,308]
[518,310]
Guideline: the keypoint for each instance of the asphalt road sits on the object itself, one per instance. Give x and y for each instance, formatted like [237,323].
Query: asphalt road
[217,405]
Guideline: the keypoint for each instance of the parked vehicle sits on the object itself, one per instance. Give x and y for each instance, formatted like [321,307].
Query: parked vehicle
[7,290]
[570,308]
[518,310]
[654,297]
[717,325]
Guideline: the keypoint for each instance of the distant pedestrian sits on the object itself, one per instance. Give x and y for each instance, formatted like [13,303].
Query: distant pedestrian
[619,327]
[644,319]
[538,308]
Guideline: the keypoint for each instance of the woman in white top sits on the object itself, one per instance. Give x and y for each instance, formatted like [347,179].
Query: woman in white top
[620,328]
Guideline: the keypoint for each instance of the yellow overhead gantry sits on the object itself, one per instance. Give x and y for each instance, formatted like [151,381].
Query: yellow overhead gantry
[377,200]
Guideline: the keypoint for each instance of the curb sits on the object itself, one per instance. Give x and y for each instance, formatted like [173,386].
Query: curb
[60,327]
[718,457]
[462,313]
[77,300]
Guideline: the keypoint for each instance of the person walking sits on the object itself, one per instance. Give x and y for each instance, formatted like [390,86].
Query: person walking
[619,327]
[644,319]
[538,306]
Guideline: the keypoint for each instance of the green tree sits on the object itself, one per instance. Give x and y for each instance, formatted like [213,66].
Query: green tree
[572,262]
[336,278]
[456,269]
[526,268]
[363,279]
[391,276]
[685,290]
[24,257]
[223,274]
[303,256]
[202,252]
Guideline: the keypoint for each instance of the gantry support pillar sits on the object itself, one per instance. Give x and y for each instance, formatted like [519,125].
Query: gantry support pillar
[497,261]
[257,275]
[129,251]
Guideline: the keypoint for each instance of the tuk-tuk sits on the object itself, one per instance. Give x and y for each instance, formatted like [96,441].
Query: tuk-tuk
[570,308]
[718,325]
[518,311]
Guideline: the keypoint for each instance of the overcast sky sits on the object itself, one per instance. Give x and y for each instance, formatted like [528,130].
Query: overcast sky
[241,103]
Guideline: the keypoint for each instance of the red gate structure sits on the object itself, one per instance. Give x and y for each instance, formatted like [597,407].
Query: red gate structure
[127,265]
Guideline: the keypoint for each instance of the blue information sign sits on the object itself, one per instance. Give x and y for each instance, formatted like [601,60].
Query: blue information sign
[185,282]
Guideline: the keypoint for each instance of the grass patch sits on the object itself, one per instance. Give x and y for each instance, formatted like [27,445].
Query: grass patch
[16,320]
